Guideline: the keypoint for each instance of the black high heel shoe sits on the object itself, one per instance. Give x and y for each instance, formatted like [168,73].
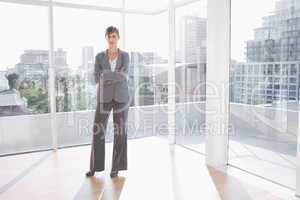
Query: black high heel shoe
[90,173]
[113,174]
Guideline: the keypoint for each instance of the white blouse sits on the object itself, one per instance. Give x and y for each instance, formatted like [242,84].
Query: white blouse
[113,63]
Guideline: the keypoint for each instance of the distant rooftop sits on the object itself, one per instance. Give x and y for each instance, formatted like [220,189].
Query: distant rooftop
[11,98]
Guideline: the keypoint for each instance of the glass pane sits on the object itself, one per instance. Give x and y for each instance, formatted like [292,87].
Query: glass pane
[106,3]
[24,79]
[146,5]
[190,74]
[148,71]
[264,88]
[79,36]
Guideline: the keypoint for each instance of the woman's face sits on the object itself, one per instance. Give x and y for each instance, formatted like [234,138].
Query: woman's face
[112,39]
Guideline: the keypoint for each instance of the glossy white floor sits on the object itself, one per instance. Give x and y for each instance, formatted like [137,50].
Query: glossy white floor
[156,171]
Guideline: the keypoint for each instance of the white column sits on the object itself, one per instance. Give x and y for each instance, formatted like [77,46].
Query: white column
[51,81]
[217,90]
[171,74]
[298,161]
[298,149]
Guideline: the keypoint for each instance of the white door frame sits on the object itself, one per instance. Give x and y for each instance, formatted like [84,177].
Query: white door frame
[171,74]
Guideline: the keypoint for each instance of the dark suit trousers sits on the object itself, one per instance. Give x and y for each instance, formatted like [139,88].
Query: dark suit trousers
[119,157]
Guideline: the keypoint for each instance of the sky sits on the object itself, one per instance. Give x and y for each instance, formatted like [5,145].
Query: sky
[26,27]
[245,16]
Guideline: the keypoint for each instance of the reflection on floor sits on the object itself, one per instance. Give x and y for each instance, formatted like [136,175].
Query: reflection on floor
[264,162]
[194,142]
[261,153]
[156,170]
[260,157]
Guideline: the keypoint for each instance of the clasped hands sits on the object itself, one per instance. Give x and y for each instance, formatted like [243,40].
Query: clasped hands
[107,82]
[109,78]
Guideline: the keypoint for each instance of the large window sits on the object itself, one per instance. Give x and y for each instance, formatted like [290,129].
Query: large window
[24,61]
[264,98]
[147,43]
[79,36]
[24,78]
[190,73]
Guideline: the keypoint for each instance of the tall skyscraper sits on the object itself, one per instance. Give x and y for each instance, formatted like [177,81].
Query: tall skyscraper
[192,39]
[87,56]
[278,39]
[272,70]
[60,58]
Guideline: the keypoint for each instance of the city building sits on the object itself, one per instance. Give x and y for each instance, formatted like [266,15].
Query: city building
[265,82]
[88,57]
[278,39]
[271,70]
[192,39]
[34,65]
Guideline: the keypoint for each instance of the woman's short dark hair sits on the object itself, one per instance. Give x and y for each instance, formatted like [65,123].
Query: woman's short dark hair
[112,29]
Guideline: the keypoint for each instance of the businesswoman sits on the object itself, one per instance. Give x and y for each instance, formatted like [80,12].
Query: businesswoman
[110,73]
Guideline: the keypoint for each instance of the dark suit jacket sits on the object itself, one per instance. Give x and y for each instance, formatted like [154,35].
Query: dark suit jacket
[118,89]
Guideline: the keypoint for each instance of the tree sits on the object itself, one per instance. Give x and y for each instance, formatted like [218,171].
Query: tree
[12,80]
